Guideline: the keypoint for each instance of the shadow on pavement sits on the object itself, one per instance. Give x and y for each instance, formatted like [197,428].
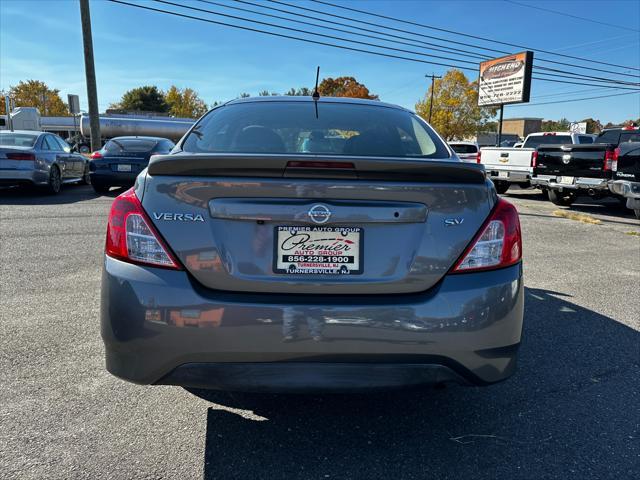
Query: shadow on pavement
[569,412]
[70,193]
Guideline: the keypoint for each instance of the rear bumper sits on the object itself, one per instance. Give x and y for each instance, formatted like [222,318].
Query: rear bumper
[629,190]
[159,327]
[15,176]
[579,183]
[506,175]
[115,179]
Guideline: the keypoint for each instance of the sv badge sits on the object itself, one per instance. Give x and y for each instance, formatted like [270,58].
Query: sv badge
[453,222]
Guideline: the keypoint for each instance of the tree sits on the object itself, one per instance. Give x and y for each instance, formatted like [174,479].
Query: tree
[561,125]
[344,87]
[34,93]
[300,92]
[455,114]
[245,95]
[593,126]
[185,103]
[143,99]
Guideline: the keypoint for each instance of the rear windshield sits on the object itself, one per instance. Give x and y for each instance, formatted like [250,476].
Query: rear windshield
[130,145]
[18,139]
[632,136]
[533,142]
[293,128]
[461,148]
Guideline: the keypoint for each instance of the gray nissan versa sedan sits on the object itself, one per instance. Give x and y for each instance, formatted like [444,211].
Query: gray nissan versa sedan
[289,244]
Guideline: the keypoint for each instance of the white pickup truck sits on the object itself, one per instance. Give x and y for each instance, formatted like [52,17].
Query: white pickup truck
[515,164]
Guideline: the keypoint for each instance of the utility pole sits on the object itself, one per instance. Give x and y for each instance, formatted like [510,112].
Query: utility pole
[500,125]
[90,71]
[433,86]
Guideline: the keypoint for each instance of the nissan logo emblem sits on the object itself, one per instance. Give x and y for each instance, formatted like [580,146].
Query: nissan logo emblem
[319,214]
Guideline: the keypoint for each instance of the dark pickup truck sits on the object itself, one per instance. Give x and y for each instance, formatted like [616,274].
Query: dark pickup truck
[568,171]
[626,175]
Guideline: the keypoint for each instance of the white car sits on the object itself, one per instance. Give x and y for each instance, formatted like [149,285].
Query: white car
[466,151]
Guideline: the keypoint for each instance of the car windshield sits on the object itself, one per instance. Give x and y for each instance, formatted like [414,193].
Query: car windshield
[533,142]
[18,139]
[464,148]
[130,145]
[281,127]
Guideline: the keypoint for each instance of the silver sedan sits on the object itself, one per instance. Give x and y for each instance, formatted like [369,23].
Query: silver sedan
[41,159]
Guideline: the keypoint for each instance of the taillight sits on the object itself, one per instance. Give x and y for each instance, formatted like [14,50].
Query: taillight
[479,157]
[20,156]
[132,237]
[534,158]
[95,155]
[498,243]
[611,160]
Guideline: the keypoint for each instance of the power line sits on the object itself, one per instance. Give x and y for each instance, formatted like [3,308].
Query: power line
[570,15]
[343,47]
[323,2]
[375,45]
[573,100]
[466,52]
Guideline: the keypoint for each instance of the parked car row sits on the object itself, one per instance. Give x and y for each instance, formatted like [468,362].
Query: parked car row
[566,165]
[45,160]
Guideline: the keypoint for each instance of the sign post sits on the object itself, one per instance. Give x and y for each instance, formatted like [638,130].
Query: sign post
[505,80]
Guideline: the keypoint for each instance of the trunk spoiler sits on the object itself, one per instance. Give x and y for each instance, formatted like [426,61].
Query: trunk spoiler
[297,166]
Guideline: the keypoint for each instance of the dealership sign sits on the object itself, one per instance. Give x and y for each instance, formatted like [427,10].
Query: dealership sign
[505,80]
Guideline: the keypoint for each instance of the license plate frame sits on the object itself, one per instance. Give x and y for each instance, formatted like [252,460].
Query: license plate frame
[340,268]
[566,180]
[124,167]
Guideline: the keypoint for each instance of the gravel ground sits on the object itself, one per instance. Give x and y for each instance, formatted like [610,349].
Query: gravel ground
[571,411]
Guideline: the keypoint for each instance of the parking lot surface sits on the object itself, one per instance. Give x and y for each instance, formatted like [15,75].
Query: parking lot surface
[571,410]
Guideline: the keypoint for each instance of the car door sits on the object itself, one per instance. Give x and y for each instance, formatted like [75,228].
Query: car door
[51,150]
[74,165]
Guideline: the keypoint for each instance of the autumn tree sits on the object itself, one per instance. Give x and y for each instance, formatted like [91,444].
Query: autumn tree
[34,93]
[344,87]
[143,99]
[593,126]
[185,103]
[455,113]
[561,125]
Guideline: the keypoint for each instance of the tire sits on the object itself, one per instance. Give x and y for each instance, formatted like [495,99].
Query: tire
[524,185]
[501,187]
[86,178]
[100,188]
[637,213]
[563,199]
[545,193]
[54,185]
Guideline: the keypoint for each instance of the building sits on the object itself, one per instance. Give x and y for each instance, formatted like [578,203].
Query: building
[522,126]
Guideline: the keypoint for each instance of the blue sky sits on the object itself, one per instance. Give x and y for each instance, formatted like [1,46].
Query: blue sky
[41,39]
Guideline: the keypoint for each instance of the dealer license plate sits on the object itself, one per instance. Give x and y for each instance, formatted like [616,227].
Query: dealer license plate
[566,180]
[124,167]
[305,250]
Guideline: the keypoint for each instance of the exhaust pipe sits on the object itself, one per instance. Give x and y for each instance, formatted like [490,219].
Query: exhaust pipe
[591,192]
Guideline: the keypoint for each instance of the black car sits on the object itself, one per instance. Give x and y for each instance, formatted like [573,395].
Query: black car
[119,162]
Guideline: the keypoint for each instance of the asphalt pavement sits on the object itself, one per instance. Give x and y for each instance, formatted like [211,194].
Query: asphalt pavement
[571,411]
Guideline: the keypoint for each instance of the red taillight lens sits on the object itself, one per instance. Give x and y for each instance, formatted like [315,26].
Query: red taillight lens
[131,236]
[498,243]
[611,160]
[534,158]
[95,155]
[479,157]
[20,156]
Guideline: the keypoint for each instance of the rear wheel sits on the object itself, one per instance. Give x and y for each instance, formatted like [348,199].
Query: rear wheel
[637,212]
[54,185]
[86,178]
[100,188]
[545,193]
[501,187]
[563,199]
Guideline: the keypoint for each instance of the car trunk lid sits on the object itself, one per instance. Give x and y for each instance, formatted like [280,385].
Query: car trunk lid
[228,219]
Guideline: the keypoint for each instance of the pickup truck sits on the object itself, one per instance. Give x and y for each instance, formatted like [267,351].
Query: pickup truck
[505,166]
[568,171]
[626,175]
